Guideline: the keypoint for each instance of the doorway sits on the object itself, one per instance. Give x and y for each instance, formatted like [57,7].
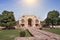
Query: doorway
[29,22]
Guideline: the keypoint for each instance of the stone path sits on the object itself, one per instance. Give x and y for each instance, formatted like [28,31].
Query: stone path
[39,35]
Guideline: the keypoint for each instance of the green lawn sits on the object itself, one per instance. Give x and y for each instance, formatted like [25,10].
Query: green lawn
[27,33]
[56,30]
[11,34]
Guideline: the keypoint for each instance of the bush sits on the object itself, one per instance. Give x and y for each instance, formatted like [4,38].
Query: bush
[22,34]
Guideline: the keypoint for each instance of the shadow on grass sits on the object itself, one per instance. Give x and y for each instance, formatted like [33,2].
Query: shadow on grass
[25,33]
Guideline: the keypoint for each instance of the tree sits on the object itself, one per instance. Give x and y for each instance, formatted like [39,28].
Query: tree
[58,22]
[52,17]
[7,19]
[1,18]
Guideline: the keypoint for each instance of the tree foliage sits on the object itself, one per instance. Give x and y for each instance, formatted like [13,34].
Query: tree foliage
[52,18]
[7,19]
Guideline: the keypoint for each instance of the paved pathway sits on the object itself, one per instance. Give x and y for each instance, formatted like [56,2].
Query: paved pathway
[39,35]
[43,34]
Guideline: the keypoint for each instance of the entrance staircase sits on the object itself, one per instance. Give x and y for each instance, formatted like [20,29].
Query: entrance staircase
[39,35]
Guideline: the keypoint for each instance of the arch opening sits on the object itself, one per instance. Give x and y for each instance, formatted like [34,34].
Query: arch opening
[29,22]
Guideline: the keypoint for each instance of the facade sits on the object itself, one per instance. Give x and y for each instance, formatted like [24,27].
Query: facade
[29,21]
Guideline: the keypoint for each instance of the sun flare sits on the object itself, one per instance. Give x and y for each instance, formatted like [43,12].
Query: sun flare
[29,2]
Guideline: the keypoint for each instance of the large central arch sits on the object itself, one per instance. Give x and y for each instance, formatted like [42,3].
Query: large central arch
[30,22]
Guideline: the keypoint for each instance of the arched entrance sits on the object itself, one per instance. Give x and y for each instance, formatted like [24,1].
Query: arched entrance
[29,22]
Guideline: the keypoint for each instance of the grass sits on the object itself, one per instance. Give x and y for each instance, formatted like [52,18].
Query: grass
[56,30]
[11,34]
[8,34]
[27,33]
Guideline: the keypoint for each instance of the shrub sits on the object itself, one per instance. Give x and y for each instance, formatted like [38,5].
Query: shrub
[22,34]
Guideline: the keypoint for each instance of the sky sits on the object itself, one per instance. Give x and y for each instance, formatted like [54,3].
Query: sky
[39,8]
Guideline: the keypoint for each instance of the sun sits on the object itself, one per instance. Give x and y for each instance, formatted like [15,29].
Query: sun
[29,2]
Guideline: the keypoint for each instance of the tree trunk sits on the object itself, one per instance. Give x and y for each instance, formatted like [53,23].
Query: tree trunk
[52,24]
